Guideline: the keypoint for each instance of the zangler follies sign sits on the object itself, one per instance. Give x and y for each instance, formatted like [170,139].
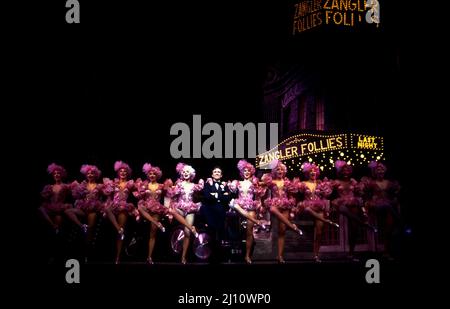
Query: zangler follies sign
[309,14]
[324,149]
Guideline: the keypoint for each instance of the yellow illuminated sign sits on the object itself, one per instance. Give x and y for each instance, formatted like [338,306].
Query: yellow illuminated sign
[309,14]
[324,149]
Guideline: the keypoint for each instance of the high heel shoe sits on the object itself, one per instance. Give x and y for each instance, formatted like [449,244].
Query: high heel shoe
[244,224]
[84,228]
[161,227]
[248,260]
[297,230]
[183,261]
[317,259]
[281,260]
[121,234]
[333,223]
[150,261]
[194,231]
[261,226]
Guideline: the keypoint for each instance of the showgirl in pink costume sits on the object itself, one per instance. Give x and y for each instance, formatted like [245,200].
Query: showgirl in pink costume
[182,200]
[55,197]
[315,193]
[88,195]
[117,207]
[383,206]
[281,202]
[149,193]
[349,202]
[248,201]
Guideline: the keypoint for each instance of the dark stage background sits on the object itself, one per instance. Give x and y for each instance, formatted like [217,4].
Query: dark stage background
[110,88]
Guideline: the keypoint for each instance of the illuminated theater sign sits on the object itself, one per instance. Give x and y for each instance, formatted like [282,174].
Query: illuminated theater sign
[323,149]
[309,14]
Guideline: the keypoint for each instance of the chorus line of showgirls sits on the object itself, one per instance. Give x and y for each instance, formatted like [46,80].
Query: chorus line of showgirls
[249,196]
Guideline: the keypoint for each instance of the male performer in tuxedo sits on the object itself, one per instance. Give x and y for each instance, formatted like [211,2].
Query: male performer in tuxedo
[215,205]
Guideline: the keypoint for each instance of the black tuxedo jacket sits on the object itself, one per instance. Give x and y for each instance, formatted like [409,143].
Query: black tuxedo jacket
[215,203]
